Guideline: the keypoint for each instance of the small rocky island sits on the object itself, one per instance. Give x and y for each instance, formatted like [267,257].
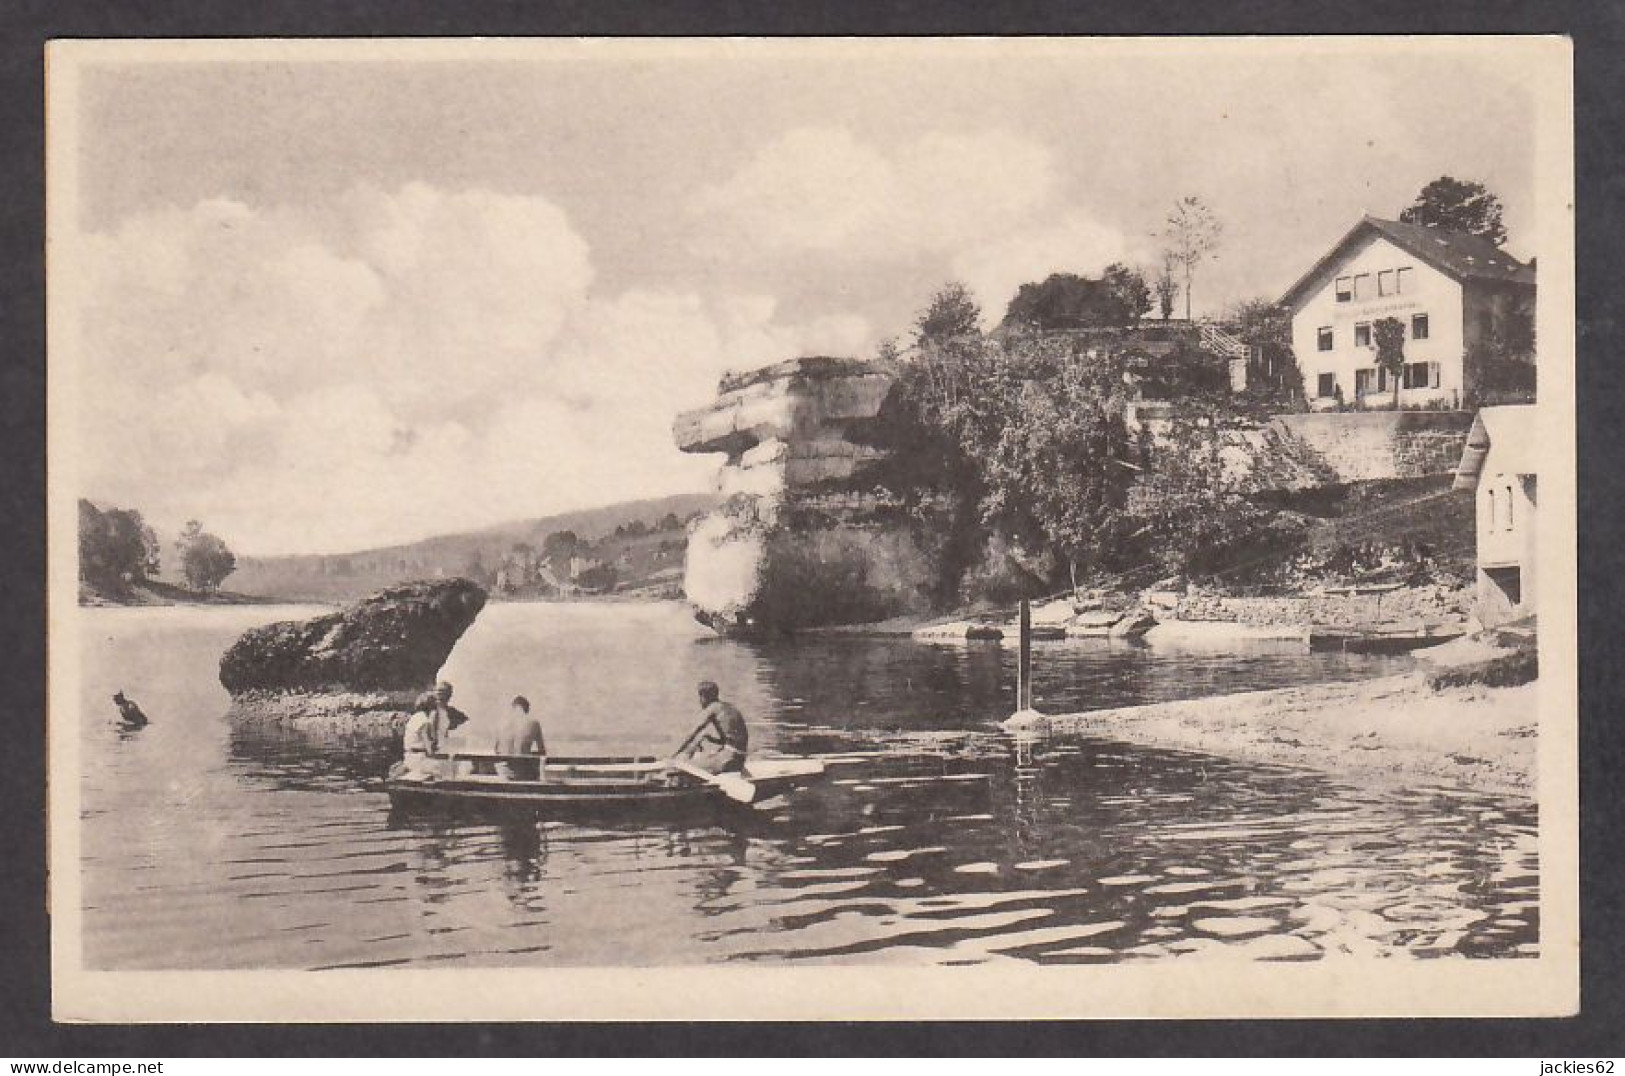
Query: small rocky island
[357,669]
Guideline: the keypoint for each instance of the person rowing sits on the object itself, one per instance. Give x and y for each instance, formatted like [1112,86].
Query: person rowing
[722,739]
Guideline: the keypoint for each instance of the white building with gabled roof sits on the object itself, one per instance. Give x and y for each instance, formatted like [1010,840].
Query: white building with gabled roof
[1498,466]
[1451,291]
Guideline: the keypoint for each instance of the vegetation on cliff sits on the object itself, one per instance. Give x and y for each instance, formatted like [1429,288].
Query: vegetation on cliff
[1110,454]
[1033,442]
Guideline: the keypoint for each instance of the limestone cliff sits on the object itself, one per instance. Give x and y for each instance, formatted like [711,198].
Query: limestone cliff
[803,537]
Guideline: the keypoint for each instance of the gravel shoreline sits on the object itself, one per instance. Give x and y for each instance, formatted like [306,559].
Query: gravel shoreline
[1395,729]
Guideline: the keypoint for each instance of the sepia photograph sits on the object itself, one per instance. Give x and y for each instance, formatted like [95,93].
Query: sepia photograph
[676,529]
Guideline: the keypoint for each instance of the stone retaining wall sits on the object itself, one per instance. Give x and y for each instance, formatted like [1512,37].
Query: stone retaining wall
[1424,604]
[1366,445]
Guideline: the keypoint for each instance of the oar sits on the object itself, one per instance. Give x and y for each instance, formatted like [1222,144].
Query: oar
[735,786]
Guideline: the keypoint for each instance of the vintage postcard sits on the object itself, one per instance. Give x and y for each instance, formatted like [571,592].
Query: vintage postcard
[811,529]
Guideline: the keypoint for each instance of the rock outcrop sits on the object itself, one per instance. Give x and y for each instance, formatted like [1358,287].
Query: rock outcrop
[804,537]
[370,657]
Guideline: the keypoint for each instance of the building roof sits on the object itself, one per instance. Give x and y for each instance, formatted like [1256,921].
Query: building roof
[1456,254]
[1511,428]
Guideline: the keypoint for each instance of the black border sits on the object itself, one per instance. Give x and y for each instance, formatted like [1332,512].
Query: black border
[1598,29]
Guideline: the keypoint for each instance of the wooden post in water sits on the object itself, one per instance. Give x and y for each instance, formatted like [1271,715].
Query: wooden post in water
[1024,666]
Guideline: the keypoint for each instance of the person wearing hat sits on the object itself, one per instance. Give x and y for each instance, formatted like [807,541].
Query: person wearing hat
[720,743]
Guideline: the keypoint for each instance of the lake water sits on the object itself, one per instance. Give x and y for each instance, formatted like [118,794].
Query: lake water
[213,845]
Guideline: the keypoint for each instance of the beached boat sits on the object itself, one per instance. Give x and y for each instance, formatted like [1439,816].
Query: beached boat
[602,783]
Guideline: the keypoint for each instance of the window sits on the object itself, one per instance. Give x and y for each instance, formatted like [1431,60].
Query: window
[1509,507]
[1345,289]
[1362,286]
[1421,375]
[1385,283]
[1326,385]
[1489,515]
[1365,381]
[1323,338]
[1403,284]
[1419,326]
[1362,334]
[1509,581]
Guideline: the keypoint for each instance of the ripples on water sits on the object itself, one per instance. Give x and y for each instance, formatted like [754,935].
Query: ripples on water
[933,840]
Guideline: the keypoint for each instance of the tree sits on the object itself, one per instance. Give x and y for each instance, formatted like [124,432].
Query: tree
[562,545]
[205,559]
[946,335]
[1265,326]
[1129,290]
[151,562]
[1458,205]
[1166,286]
[1192,233]
[1388,338]
[116,547]
[1500,365]
[1183,514]
[951,314]
[1046,436]
[1116,299]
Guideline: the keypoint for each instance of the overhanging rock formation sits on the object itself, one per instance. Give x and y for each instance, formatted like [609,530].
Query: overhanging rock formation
[356,668]
[804,536]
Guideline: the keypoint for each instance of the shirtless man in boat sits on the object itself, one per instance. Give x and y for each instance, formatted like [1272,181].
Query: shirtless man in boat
[519,734]
[722,738]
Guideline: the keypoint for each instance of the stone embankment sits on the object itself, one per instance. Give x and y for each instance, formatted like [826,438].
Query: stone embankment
[353,670]
[1373,618]
[1345,607]
[1061,618]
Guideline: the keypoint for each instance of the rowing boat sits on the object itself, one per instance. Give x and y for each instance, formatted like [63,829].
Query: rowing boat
[612,782]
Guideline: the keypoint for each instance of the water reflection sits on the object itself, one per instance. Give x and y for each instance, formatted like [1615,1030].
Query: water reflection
[219,843]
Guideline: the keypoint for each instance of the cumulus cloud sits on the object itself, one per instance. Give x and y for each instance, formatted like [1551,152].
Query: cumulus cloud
[821,190]
[992,207]
[395,365]
[1074,243]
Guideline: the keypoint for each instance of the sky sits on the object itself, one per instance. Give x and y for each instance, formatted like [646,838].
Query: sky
[332,303]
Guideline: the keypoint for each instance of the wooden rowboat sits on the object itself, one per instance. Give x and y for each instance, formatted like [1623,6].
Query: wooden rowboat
[612,782]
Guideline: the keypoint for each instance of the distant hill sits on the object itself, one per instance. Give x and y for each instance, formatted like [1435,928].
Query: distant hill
[644,560]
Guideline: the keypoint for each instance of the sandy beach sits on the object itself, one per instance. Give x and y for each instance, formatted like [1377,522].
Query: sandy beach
[1394,729]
